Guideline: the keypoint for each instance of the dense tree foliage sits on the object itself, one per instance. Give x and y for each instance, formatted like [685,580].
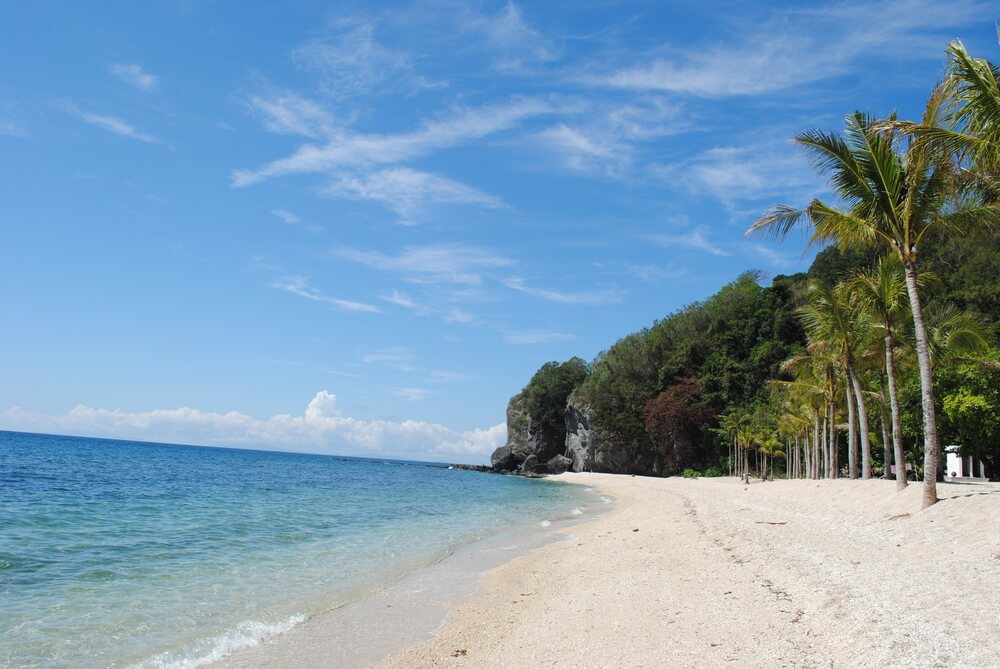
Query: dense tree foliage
[723,351]
[546,394]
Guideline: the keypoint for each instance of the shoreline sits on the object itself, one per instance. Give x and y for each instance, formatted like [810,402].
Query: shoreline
[715,573]
[385,619]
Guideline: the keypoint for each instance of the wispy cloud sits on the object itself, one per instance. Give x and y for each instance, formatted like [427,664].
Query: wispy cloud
[653,273]
[135,76]
[290,114]
[695,239]
[587,297]
[579,150]
[351,62]
[769,55]
[110,123]
[747,176]
[299,285]
[441,263]
[401,299]
[511,38]
[321,428]
[11,128]
[776,258]
[536,337]
[445,376]
[399,358]
[412,394]
[608,138]
[407,191]
[347,150]
[393,354]
[286,216]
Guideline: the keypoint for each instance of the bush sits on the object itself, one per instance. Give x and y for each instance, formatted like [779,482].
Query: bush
[714,471]
[691,473]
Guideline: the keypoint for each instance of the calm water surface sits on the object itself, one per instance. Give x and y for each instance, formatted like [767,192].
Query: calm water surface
[120,553]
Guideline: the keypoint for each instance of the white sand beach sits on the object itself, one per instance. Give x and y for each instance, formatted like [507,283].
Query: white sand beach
[714,573]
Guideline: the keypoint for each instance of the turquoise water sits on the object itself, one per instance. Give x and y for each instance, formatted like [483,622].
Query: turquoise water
[135,554]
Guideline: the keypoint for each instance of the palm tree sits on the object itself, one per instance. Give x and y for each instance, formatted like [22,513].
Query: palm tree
[972,128]
[816,382]
[881,291]
[829,316]
[897,189]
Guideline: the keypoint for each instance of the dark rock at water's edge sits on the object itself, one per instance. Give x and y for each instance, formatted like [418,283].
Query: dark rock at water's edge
[487,469]
[472,468]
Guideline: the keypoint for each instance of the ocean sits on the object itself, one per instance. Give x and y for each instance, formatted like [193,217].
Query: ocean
[122,554]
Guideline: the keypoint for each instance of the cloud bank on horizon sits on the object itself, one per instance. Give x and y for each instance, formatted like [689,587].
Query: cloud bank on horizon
[415,202]
[321,429]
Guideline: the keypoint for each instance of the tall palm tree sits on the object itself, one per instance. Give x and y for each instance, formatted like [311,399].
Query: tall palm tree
[897,189]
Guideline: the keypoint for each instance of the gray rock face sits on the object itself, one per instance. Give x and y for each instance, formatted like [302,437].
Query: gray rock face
[524,440]
[579,437]
[559,464]
[590,453]
[530,464]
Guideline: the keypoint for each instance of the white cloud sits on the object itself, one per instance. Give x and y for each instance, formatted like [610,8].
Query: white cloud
[286,216]
[441,263]
[511,38]
[411,394]
[607,137]
[351,62]
[322,428]
[796,47]
[133,75]
[536,337]
[351,150]
[695,239]
[587,297]
[290,114]
[110,123]
[754,174]
[580,150]
[406,191]
[299,285]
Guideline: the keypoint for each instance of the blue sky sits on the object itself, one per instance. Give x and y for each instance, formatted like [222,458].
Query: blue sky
[360,227]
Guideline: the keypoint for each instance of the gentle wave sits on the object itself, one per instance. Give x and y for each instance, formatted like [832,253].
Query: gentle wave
[247,634]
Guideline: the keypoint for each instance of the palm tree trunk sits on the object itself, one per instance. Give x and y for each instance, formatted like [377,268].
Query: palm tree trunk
[834,465]
[931,448]
[866,446]
[814,473]
[852,428]
[886,448]
[897,427]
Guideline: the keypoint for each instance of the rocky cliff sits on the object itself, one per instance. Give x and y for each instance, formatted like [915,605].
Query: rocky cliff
[527,450]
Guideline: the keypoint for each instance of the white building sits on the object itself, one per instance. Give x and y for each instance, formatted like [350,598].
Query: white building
[962,468]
